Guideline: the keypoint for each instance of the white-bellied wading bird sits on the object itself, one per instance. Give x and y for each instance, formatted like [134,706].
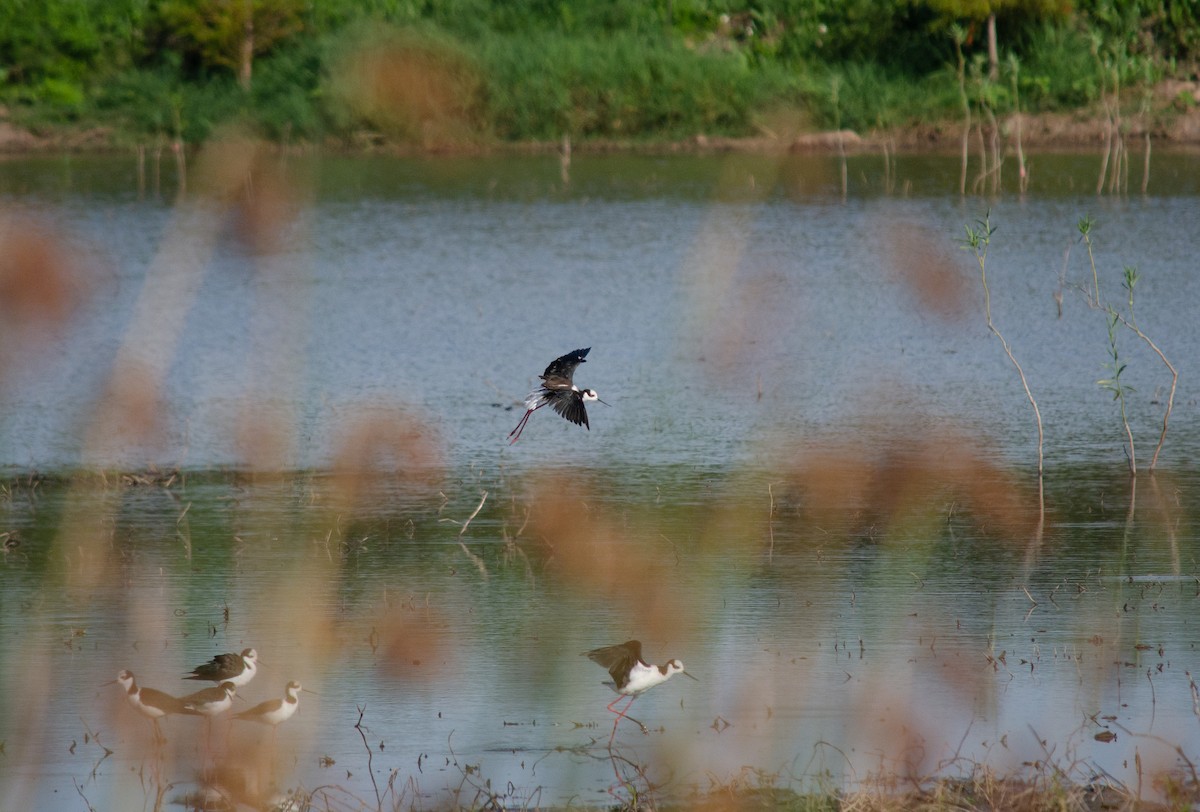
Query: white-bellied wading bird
[211,701]
[631,676]
[558,390]
[150,703]
[274,712]
[236,668]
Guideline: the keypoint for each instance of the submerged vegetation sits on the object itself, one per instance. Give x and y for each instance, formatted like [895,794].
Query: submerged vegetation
[452,72]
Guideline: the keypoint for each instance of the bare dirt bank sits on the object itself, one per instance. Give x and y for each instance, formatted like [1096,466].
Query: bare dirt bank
[1174,120]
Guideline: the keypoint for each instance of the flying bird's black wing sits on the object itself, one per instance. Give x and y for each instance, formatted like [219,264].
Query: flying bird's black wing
[617,659]
[562,369]
[570,405]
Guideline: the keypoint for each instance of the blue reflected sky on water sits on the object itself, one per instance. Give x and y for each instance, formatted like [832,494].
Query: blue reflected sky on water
[888,651]
[862,647]
[451,301]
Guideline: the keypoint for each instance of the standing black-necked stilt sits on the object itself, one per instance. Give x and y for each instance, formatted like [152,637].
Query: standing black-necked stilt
[632,676]
[211,701]
[236,668]
[274,711]
[559,390]
[150,703]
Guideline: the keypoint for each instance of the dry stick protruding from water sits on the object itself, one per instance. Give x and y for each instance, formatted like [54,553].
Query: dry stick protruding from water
[841,144]
[1143,115]
[370,771]
[771,523]
[1120,159]
[1022,171]
[476,560]
[1115,154]
[977,241]
[982,86]
[959,35]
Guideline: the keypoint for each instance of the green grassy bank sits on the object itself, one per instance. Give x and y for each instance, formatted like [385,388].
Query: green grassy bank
[460,72]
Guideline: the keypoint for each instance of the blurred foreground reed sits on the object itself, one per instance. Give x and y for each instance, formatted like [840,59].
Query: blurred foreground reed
[860,604]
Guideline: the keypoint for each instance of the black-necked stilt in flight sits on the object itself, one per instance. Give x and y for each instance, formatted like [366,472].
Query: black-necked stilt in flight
[632,676]
[211,701]
[274,711]
[150,703]
[236,668]
[559,390]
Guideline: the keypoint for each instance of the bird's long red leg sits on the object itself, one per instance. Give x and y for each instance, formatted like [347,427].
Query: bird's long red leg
[623,714]
[521,426]
[517,431]
[618,699]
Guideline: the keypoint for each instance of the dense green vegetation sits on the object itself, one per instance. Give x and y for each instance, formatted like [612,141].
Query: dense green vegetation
[439,70]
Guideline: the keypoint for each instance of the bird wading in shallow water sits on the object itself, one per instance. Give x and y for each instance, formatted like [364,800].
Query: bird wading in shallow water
[274,711]
[558,390]
[236,668]
[211,701]
[150,703]
[631,676]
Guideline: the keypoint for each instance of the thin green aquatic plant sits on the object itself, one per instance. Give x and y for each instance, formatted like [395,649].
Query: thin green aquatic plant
[978,239]
[1085,230]
[1113,384]
[1129,281]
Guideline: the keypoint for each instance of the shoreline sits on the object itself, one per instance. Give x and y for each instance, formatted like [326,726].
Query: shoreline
[1167,126]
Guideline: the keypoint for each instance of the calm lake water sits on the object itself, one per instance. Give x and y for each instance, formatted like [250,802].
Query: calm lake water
[273,413]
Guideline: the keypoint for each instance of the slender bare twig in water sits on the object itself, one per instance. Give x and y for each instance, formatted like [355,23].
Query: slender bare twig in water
[370,770]
[1022,170]
[771,523]
[630,784]
[1153,698]
[476,560]
[94,738]
[79,789]
[959,35]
